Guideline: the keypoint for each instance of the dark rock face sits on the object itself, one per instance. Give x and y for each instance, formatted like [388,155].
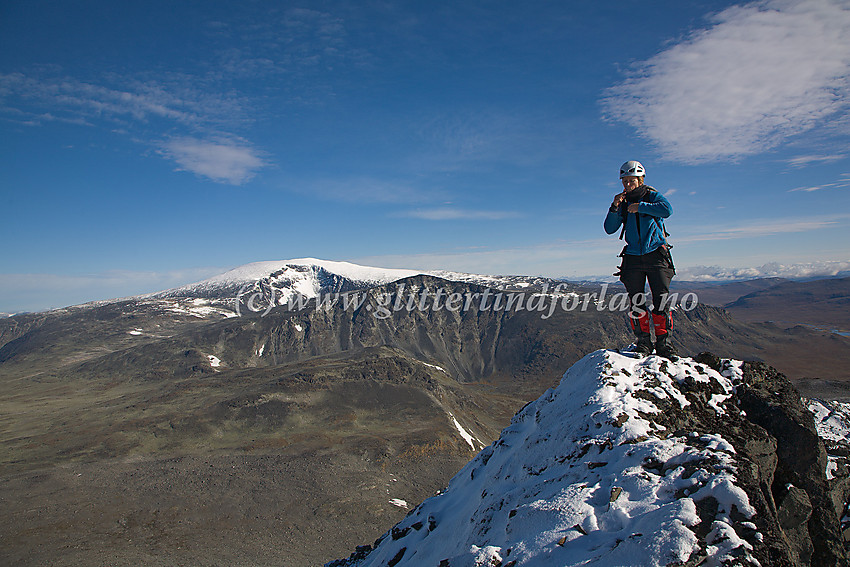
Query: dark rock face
[786,480]
[470,344]
[805,510]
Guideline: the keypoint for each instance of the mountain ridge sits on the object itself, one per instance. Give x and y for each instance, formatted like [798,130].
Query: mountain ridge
[159,428]
[610,468]
[237,280]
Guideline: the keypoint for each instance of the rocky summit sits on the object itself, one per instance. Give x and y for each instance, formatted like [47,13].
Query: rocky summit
[641,461]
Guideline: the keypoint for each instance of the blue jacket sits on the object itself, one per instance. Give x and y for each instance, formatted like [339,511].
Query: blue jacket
[651,210]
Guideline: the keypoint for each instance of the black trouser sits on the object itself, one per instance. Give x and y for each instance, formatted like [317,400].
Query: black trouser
[655,268]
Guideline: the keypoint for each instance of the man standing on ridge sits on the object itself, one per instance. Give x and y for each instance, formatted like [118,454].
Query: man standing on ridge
[640,210]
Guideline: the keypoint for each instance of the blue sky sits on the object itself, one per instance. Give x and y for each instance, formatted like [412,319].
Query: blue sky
[150,144]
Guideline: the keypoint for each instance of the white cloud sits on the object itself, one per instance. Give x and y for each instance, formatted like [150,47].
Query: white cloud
[595,258]
[763,72]
[757,227]
[813,188]
[222,161]
[72,100]
[803,161]
[769,270]
[136,108]
[841,183]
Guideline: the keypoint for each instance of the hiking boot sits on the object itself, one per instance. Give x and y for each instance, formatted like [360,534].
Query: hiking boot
[666,349]
[643,345]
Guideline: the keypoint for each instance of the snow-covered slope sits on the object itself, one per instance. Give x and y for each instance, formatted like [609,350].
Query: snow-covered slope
[311,277]
[585,476]
[307,276]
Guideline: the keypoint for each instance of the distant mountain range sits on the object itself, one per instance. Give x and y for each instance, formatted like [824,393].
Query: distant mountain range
[824,303]
[213,424]
[309,277]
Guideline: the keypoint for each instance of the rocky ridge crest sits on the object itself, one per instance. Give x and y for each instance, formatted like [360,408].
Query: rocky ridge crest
[638,462]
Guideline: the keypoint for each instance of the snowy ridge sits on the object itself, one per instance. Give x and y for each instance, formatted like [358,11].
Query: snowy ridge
[310,277]
[258,270]
[584,476]
[497,282]
[302,275]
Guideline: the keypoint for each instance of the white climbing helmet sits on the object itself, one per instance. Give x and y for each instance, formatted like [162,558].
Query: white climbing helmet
[632,169]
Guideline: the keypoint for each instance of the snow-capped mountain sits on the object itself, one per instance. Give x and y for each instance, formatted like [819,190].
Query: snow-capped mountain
[627,462]
[306,276]
[279,281]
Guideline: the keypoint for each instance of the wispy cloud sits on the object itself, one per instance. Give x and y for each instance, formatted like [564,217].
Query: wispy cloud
[475,138]
[140,101]
[841,183]
[142,110]
[451,213]
[224,161]
[291,41]
[583,258]
[769,270]
[756,228]
[764,71]
[803,161]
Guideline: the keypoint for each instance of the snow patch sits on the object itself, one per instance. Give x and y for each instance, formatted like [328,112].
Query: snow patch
[463,433]
[200,310]
[441,369]
[832,421]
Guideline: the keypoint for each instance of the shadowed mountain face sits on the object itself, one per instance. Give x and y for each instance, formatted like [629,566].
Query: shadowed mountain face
[205,435]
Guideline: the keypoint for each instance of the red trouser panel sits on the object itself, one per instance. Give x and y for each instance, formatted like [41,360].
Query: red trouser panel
[662,322]
[640,324]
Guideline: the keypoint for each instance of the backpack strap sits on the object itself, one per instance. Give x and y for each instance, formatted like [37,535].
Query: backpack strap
[624,214]
[624,208]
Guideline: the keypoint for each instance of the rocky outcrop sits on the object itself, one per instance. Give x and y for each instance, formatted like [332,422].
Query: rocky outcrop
[807,529]
[637,462]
